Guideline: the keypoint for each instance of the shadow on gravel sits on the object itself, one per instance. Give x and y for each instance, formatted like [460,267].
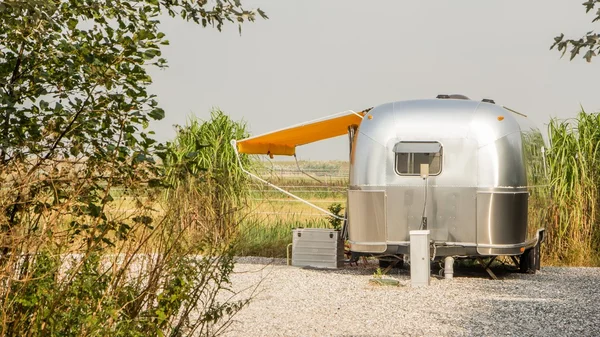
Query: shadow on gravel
[471,270]
[556,301]
[553,302]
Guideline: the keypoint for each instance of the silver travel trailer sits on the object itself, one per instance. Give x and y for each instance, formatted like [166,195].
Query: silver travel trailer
[467,171]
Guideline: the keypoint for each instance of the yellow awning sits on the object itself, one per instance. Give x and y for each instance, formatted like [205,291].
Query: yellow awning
[284,141]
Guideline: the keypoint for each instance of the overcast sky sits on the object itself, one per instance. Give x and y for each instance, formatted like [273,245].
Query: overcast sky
[315,58]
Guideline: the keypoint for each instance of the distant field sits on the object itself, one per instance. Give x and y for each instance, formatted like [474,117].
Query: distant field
[266,229]
[267,221]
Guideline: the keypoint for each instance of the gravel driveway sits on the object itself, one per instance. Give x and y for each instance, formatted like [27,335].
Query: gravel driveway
[305,302]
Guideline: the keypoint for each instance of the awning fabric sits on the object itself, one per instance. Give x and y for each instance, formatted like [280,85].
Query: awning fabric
[284,141]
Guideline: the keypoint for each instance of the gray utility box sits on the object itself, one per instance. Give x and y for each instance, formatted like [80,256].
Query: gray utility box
[317,247]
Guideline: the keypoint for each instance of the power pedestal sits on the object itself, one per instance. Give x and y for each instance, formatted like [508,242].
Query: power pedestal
[420,267]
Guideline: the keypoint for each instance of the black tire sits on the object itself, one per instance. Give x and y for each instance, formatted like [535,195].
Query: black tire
[527,262]
[386,262]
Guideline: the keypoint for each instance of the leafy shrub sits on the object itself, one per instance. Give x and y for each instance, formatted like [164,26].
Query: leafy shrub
[336,209]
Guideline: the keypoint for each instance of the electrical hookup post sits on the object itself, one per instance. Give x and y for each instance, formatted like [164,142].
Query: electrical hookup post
[420,267]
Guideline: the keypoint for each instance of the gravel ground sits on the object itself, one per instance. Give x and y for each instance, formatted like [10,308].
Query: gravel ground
[293,301]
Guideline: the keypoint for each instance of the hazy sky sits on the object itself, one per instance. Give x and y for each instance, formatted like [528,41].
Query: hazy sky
[315,58]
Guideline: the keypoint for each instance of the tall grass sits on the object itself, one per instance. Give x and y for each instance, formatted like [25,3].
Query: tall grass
[574,164]
[202,151]
[267,230]
[269,236]
[537,175]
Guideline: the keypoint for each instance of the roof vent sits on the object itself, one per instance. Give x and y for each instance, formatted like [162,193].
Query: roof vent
[488,100]
[453,96]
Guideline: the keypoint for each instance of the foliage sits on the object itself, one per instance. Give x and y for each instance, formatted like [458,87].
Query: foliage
[574,164]
[378,273]
[74,118]
[132,293]
[203,149]
[208,304]
[336,209]
[590,41]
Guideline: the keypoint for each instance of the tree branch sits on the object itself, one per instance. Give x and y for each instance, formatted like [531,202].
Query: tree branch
[11,93]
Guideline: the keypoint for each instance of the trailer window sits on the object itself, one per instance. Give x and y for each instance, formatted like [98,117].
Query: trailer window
[410,156]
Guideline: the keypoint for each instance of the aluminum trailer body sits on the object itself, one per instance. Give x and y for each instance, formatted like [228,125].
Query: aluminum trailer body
[486,167]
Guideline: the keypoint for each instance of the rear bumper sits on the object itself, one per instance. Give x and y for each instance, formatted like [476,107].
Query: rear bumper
[452,248]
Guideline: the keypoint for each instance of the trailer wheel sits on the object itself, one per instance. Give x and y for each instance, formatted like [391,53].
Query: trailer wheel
[386,262]
[527,261]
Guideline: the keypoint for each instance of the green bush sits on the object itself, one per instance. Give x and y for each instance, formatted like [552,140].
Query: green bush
[335,222]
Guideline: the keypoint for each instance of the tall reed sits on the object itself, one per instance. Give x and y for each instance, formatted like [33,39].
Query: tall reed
[202,152]
[574,165]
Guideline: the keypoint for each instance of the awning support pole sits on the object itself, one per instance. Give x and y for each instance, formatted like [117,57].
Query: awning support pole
[237,154]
